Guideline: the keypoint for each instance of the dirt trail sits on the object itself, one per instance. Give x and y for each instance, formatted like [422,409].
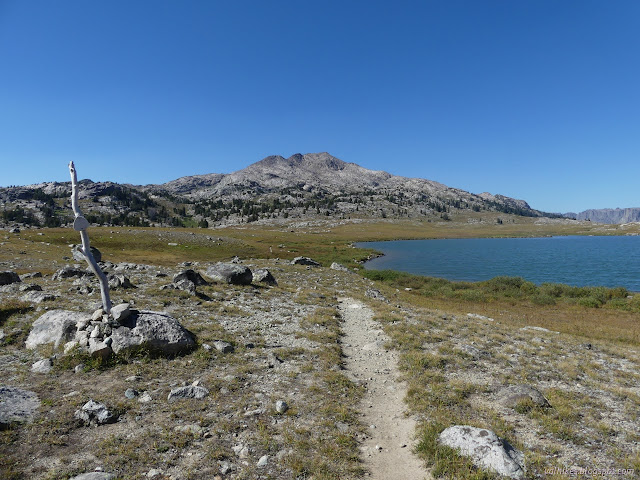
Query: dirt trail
[386,451]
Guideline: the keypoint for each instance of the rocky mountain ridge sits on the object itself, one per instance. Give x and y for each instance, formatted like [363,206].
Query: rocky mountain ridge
[607,215]
[273,189]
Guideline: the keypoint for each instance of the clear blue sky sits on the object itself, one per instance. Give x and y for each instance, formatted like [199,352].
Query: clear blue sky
[535,99]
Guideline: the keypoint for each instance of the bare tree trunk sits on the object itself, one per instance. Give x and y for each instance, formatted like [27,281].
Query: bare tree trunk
[80,224]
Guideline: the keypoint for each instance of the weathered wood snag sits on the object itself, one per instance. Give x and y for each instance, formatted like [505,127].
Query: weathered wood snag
[80,224]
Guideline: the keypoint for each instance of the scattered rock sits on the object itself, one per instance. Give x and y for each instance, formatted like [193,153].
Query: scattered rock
[9,277]
[70,272]
[42,366]
[230,273]
[537,329]
[514,395]
[281,406]
[120,281]
[304,261]
[190,391]
[190,429]
[263,275]
[376,294]
[55,326]
[339,267]
[30,287]
[190,275]
[186,286]
[130,393]
[154,331]
[95,413]
[38,297]
[222,346]
[17,406]
[479,317]
[485,449]
[264,460]
[14,230]
[120,312]
[145,397]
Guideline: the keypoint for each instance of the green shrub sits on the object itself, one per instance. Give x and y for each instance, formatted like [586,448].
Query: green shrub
[543,299]
[590,302]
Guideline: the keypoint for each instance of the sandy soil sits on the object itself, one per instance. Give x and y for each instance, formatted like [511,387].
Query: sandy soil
[387,450]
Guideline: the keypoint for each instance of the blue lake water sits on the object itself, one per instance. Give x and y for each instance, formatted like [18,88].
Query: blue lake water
[575,260]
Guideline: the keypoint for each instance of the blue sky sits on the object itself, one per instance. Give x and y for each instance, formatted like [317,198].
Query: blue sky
[533,99]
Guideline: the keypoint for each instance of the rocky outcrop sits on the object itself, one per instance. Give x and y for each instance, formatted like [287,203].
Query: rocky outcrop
[56,327]
[304,261]
[485,449]
[156,332]
[9,277]
[230,273]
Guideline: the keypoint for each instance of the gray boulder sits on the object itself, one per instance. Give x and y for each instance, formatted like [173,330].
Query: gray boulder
[70,272]
[42,366]
[36,296]
[77,255]
[263,275]
[120,312]
[120,281]
[17,406]
[518,394]
[190,391]
[154,331]
[9,277]
[94,476]
[304,261]
[55,326]
[95,413]
[485,450]
[230,273]
[185,285]
[339,267]
[190,275]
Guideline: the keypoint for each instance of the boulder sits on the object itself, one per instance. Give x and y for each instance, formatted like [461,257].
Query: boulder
[190,391]
[230,273]
[185,285]
[17,406]
[485,449]
[36,296]
[78,255]
[120,281]
[95,413]
[304,261]
[154,331]
[70,272]
[55,326]
[263,275]
[515,395]
[42,366]
[190,275]
[9,277]
[119,313]
[339,267]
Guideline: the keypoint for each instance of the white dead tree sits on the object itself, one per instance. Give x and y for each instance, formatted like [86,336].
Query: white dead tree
[80,224]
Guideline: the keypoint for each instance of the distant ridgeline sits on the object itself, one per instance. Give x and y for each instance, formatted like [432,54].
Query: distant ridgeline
[608,215]
[310,185]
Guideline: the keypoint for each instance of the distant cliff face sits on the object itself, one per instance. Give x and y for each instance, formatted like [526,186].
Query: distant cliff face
[608,215]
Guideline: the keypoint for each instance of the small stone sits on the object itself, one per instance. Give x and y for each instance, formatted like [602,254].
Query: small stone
[207,347]
[42,366]
[99,349]
[154,472]
[70,346]
[130,393]
[281,406]
[95,413]
[264,460]
[222,346]
[145,397]
[97,315]
[79,368]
